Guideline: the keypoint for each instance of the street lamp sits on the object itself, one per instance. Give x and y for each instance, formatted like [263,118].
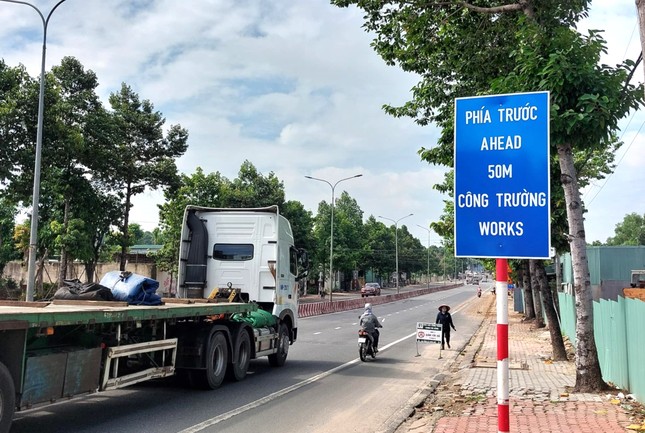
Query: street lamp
[396,245]
[33,236]
[428,271]
[331,242]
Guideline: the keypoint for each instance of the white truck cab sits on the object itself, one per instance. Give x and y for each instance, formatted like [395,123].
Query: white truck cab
[245,255]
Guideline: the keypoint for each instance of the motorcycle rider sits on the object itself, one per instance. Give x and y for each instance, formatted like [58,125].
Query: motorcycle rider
[369,322]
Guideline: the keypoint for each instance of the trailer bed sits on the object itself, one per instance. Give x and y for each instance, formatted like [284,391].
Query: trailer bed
[22,315]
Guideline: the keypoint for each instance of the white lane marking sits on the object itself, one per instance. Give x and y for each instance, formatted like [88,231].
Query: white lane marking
[230,414]
[223,417]
[316,333]
[338,327]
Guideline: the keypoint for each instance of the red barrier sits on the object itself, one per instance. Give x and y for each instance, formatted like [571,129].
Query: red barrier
[325,307]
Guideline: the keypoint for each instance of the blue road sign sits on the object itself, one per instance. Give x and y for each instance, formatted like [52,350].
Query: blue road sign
[502,181]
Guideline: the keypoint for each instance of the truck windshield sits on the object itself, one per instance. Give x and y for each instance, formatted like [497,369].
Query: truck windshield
[233,252]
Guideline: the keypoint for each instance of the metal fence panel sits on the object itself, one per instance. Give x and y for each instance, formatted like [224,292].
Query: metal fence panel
[635,324]
[611,341]
[568,316]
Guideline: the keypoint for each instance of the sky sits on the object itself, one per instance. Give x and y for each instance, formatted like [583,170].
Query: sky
[295,88]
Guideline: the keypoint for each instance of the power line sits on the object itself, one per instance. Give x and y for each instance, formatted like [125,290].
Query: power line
[617,164]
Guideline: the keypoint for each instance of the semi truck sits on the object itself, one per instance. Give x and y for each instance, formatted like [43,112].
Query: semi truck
[236,301]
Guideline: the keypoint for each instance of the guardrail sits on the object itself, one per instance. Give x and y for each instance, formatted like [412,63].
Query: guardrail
[326,307]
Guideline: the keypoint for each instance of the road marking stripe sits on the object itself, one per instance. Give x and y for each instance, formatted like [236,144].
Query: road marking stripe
[223,417]
[257,403]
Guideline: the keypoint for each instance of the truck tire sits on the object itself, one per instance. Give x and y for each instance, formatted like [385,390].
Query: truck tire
[216,363]
[7,399]
[280,357]
[241,346]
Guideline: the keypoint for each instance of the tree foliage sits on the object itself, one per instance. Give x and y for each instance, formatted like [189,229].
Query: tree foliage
[631,231]
[142,156]
[464,49]
[250,189]
[8,249]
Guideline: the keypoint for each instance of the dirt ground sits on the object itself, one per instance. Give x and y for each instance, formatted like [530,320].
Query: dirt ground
[447,399]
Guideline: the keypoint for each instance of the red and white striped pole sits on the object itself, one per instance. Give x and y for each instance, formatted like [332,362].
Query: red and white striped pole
[501,288]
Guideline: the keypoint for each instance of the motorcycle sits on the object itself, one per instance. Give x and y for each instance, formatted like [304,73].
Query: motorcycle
[479,293]
[365,345]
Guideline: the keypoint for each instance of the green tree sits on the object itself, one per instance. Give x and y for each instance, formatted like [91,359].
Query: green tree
[8,249]
[142,155]
[412,255]
[587,102]
[378,248]
[198,189]
[631,231]
[461,49]
[252,189]
[348,234]
[21,238]
[301,221]
[135,234]
[66,159]
[14,85]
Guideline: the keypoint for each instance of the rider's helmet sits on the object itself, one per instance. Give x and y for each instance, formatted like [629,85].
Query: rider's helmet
[368,306]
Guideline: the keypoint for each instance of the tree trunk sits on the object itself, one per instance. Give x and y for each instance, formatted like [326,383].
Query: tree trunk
[126,221]
[535,288]
[557,342]
[558,283]
[62,271]
[640,7]
[529,308]
[588,374]
[90,269]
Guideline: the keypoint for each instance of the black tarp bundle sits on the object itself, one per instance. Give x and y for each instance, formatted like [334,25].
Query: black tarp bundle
[74,289]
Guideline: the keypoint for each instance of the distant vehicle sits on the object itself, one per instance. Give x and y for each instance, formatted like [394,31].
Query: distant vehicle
[373,289]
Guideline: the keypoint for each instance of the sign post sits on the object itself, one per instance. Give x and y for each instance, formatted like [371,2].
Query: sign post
[502,196]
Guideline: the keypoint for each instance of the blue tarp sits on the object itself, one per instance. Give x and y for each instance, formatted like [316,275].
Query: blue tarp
[132,288]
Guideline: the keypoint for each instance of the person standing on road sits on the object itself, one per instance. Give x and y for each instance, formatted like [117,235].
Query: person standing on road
[445,319]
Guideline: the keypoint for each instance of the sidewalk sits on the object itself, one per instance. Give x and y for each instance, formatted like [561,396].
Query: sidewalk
[465,401]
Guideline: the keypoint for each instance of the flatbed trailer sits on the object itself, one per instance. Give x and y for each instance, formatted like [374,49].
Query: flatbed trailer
[52,351]
[237,300]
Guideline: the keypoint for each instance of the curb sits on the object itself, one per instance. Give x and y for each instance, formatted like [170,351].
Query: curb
[429,387]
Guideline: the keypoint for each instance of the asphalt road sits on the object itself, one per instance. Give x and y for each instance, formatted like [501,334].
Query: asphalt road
[322,388]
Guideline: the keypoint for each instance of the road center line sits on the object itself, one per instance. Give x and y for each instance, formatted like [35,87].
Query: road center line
[266,399]
[223,417]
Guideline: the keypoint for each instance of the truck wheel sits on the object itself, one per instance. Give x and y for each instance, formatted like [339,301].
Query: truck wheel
[280,357]
[7,399]
[237,370]
[216,362]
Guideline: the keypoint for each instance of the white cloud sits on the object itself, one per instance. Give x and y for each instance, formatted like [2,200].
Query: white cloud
[294,87]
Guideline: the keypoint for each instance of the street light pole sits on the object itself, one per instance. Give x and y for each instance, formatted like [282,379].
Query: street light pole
[428,271]
[396,245]
[331,241]
[33,236]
